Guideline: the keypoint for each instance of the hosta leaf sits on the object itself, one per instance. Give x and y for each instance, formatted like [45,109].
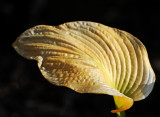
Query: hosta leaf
[89,57]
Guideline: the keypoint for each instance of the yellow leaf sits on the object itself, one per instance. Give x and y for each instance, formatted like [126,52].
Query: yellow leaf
[122,103]
[90,57]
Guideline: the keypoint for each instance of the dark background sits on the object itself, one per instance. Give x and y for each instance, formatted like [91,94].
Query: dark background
[23,90]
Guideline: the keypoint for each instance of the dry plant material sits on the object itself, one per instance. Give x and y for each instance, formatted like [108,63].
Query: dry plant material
[90,57]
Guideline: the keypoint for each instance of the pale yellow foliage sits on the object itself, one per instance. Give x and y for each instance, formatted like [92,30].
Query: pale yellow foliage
[90,57]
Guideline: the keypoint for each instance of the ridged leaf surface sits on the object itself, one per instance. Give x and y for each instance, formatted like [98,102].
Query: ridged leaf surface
[90,57]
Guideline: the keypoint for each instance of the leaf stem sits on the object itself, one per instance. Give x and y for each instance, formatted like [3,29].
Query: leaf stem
[119,114]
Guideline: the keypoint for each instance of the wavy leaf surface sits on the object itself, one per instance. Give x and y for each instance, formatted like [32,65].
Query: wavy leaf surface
[90,57]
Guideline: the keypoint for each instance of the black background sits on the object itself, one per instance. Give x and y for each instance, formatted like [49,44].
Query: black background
[23,90]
